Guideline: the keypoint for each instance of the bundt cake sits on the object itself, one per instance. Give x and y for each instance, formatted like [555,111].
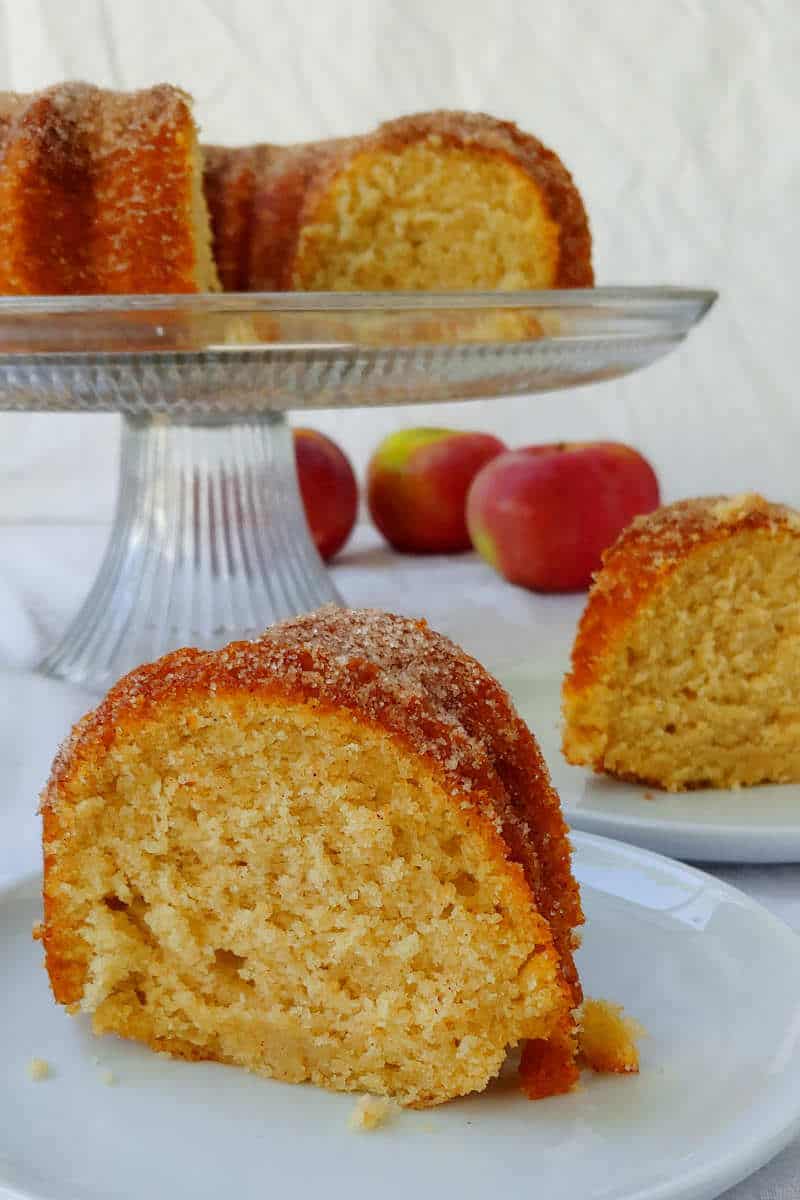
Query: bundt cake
[101,191]
[105,191]
[443,200]
[331,854]
[686,665]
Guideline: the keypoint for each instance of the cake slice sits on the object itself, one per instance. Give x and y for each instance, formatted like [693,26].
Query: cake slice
[332,854]
[433,202]
[686,665]
[101,191]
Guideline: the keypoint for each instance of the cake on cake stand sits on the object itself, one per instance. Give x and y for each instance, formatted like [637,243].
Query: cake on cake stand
[209,541]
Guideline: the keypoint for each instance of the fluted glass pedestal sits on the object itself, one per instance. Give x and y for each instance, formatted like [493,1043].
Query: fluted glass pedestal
[209,541]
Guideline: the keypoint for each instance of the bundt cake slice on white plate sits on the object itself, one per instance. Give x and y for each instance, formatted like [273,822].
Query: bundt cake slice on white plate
[331,854]
[686,666]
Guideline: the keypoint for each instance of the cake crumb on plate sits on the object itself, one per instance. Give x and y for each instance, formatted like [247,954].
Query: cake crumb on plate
[607,1038]
[370,1112]
[38,1068]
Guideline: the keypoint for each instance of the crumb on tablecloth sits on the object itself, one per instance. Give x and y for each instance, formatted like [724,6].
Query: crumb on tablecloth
[370,1112]
[38,1068]
[108,1077]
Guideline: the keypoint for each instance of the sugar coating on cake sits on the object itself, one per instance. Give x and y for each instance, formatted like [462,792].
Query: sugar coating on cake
[101,192]
[331,854]
[108,192]
[442,200]
[686,665]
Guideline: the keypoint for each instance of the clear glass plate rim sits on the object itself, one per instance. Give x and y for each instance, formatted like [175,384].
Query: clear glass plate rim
[663,298]
[309,353]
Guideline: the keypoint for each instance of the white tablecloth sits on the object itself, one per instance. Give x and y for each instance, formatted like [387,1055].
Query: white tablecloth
[45,571]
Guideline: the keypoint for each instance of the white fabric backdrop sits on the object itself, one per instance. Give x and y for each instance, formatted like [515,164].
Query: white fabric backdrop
[678,121]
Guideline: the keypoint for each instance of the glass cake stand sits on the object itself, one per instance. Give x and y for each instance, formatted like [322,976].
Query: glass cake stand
[209,540]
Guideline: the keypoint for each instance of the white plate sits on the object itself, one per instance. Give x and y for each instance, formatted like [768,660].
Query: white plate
[718,1095]
[749,825]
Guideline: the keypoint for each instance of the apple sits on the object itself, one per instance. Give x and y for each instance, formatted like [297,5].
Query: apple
[417,484]
[543,515]
[328,489]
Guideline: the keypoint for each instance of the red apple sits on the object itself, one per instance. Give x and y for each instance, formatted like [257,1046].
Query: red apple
[417,484]
[328,488]
[543,515]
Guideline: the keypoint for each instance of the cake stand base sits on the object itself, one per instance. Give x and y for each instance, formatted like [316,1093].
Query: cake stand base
[209,543]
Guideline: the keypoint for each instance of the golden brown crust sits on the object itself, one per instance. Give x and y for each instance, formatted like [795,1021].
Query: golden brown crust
[228,186]
[395,673]
[96,191]
[275,191]
[548,1067]
[644,556]
[255,198]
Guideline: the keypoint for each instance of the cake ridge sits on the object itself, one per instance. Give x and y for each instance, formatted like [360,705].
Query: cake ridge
[100,192]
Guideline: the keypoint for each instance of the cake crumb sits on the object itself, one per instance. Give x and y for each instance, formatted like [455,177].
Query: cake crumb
[370,1112]
[733,508]
[37,933]
[38,1068]
[108,1077]
[607,1038]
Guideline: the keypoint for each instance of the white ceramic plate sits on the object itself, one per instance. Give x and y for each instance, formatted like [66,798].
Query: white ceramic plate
[718,1095]
[750,825]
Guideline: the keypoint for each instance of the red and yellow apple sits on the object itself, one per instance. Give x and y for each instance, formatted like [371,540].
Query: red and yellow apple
[328,489]
[543,515]
[417,484]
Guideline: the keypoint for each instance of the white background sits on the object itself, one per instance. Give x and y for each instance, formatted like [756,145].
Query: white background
[679,121]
